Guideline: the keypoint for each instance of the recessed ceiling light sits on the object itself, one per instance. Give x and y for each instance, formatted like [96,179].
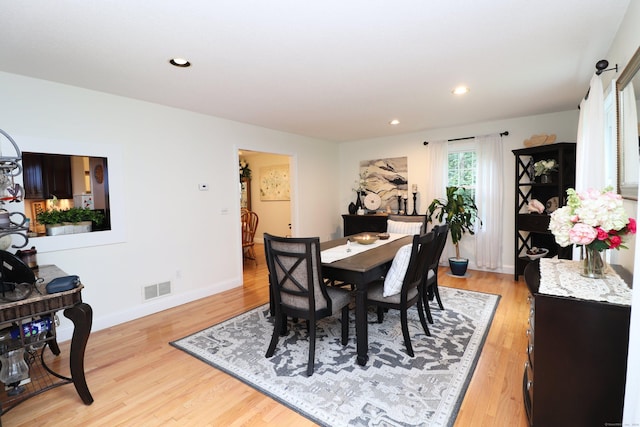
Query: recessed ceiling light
[394,122]
[180,62]
[460,90]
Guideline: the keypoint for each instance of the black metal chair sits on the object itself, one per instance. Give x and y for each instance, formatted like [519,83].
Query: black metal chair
[430,287]
[298,291]
[410,294]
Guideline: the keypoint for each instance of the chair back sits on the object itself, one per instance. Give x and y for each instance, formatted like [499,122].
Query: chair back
[295,275]
[249,220]
[441,232]
[406,224]
[422,251]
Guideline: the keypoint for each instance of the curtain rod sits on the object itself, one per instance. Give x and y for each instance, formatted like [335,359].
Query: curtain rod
[505,133]
[601,67]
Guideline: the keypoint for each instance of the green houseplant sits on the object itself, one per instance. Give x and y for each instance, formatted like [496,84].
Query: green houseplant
[460,212]
[80,219]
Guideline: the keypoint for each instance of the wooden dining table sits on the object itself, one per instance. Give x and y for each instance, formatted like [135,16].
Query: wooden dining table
[360,270]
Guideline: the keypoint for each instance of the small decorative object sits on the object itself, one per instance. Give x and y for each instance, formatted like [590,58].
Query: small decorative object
[542,139]
[414,190]
[535,253]
[553,204]
[543,169]
[399,204]
[593,219]
[534,206]
[372,201]
[245,172]
[383,236]
[365,238]
[352,208]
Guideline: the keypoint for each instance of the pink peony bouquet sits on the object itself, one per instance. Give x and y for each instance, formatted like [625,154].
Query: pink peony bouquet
[593,218]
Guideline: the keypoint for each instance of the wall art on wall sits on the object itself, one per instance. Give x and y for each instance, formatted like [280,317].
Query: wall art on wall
[388,178]
[274,183]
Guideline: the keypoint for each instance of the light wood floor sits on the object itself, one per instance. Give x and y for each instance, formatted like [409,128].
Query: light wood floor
[138,379]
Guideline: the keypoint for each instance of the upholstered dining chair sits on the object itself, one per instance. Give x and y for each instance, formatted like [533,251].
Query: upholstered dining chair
[430,287]
[401,288]
[407,224]
[249,221]
[298,291]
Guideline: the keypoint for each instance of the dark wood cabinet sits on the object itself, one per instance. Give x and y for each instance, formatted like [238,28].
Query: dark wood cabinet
[577,359]
[46,175]
[354,224]
[531,229]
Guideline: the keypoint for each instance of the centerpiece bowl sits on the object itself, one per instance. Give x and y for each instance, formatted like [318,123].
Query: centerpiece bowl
[365,238]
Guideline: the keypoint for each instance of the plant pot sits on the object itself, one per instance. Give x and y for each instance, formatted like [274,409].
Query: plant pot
[458,266]
[56,229]
[82,227]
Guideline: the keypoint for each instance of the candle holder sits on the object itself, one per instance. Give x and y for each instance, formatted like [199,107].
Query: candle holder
[415,195]
[399,204]
[406,206]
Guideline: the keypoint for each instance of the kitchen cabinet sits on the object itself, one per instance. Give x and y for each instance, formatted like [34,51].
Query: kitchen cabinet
[47,175]
[532,229]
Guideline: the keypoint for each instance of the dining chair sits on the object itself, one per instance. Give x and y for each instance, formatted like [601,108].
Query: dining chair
[415,257]
[430,286]
[298,291]
[407,224]
[249,221]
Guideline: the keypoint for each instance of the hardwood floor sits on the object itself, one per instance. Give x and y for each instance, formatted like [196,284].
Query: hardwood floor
[138,379]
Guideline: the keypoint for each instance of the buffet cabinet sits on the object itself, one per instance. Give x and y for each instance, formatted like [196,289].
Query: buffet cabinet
[531,229]
[354,224]
[576,363]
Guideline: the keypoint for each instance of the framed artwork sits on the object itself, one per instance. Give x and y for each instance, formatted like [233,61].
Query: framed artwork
[274,183]
[388,178]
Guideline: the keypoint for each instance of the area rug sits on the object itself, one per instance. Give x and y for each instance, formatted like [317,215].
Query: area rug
[393,389]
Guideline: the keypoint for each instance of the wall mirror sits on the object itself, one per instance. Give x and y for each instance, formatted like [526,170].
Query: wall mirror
[628,93]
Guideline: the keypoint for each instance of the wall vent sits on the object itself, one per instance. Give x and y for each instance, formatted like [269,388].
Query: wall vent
[156,290]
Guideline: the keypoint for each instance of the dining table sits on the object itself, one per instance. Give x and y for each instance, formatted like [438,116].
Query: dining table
[360,270]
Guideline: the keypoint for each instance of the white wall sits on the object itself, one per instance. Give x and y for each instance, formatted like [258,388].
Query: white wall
[563,124]
[173,232]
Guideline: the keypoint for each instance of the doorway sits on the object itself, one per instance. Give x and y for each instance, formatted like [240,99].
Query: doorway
[265,189]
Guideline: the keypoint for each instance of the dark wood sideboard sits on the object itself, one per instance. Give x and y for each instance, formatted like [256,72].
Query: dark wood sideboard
[575,373]
[354,224]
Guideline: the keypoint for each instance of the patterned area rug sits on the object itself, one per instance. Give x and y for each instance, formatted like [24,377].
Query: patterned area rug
[393,389]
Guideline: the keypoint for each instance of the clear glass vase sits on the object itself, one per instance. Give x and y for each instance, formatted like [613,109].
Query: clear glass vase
[594,264]
[546,179]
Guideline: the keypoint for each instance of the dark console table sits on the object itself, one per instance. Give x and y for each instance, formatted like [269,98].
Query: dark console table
[40,305]
[354,224]
[576,368]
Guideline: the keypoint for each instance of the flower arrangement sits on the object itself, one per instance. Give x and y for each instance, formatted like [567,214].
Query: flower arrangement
[595,219]
[245,172]
[544,167]
[361,182]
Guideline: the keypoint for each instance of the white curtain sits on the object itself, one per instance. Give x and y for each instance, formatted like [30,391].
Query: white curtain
[489,199]
[437,154]
[590,147]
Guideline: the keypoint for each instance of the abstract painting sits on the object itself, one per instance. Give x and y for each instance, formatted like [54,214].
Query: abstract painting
[274,183]
[388,178]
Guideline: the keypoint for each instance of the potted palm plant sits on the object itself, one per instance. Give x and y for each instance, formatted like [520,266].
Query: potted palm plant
[460,212]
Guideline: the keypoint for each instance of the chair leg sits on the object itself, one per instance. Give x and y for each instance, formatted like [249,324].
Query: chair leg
[312,350]
[421,311]
[277,329]
[380,314]
[437,294]
[345,325]
[405,331]
[425,303]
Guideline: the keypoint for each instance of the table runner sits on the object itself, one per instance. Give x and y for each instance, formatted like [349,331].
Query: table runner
[561,277]
[344,251]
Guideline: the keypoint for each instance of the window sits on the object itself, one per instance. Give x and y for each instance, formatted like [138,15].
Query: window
[462,166]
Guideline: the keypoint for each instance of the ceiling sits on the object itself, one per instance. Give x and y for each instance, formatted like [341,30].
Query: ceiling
[335,70]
